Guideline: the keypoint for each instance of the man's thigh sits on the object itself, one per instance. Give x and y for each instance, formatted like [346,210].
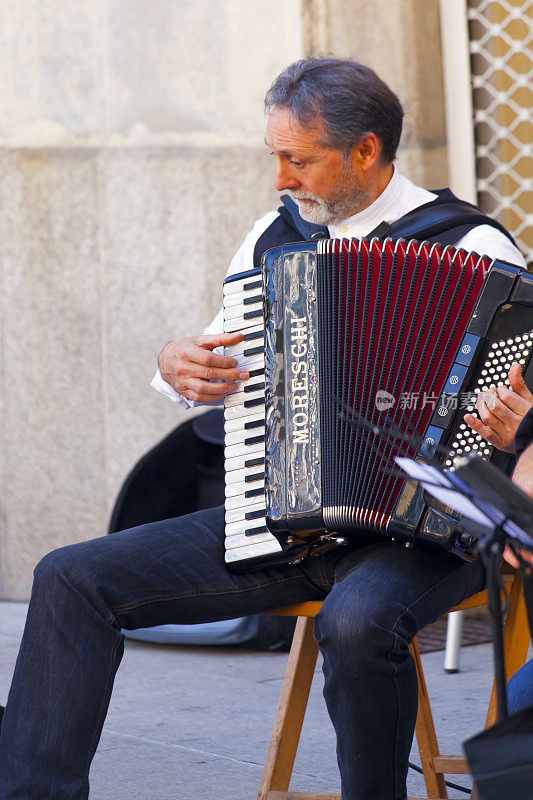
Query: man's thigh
[390,585]
[173,571]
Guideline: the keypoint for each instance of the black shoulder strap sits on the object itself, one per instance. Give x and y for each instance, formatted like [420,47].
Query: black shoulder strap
[444,220]
[524,435]
[289,227]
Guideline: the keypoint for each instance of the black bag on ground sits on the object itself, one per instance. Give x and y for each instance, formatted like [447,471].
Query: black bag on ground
[501,758]
[182,474]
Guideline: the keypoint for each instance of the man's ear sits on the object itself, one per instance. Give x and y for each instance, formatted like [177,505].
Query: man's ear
[366,152]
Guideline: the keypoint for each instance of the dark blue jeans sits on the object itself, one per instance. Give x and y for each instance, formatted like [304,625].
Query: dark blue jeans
[520,689]
[376,597]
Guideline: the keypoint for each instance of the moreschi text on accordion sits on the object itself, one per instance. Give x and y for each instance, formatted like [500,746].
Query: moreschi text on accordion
[299,379]
[343,338]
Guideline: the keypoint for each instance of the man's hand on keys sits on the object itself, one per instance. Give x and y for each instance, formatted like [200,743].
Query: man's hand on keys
[198,374]
[501,410]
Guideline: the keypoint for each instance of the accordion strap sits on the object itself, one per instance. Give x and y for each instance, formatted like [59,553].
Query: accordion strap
[445,220]
[288,228]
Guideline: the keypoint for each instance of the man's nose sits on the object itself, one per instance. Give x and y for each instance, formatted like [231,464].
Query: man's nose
[285,177]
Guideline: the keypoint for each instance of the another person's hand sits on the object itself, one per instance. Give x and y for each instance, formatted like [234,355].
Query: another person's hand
[523,477]
[501,410]
[523,472]
[193,370]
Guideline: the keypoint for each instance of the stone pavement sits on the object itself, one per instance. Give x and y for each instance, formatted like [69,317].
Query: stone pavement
[193,723]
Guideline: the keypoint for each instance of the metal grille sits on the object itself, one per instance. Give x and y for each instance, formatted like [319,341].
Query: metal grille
[493,373]
[501,49]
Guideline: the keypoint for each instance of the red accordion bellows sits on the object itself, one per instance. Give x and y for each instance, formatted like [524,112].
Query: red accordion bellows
[391,318]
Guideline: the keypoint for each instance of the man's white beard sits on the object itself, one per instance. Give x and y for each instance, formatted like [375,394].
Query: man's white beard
[348,198]
[333,211]
[319,212]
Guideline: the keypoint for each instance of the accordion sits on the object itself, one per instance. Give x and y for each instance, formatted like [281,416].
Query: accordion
[359,351]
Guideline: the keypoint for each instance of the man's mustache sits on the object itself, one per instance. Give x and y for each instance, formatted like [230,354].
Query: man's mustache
[304,196]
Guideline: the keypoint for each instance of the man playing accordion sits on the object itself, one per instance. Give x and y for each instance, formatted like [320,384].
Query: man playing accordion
[333,129]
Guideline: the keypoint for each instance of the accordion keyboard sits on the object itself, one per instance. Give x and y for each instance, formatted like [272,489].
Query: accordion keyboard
[247,536]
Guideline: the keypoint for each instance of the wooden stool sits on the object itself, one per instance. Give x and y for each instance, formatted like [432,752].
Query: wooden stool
[297,683]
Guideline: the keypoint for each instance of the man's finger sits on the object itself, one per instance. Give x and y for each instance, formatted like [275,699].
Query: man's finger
[510,557]
[218,339]
[213,373]
[207,358]
[193,354]
[512,401]
[486,413]
[483,430]
[487,399]
[518,384]
[210,391]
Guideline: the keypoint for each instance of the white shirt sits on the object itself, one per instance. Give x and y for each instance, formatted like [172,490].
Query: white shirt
[399,197]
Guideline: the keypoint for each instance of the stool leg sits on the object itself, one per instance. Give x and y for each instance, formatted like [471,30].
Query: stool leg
[425,733]
[291,710]
[454,629]
[515,640]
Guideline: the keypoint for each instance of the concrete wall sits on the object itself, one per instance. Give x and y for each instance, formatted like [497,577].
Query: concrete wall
[131,166]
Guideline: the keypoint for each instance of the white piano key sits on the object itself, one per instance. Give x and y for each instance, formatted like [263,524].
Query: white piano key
[234,412]
[238,475]
[245,290]
[250,451]
[237,541]
[234,489]
[249,551]
[235,475]
[234,287]
[239,398]
[240,436]
[239,501]
[235,514]
[240,422]
[238,298]
[237,349]
[238,462]
[241,526]
[238,311]
[239,324]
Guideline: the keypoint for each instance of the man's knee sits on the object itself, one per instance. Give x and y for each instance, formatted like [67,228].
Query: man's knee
[343,625]
[363,627]
[64,565]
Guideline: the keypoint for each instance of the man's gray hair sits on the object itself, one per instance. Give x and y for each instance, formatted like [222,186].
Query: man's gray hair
[350,99]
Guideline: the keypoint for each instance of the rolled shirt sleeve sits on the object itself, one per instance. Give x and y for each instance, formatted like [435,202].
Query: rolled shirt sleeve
[242,261]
